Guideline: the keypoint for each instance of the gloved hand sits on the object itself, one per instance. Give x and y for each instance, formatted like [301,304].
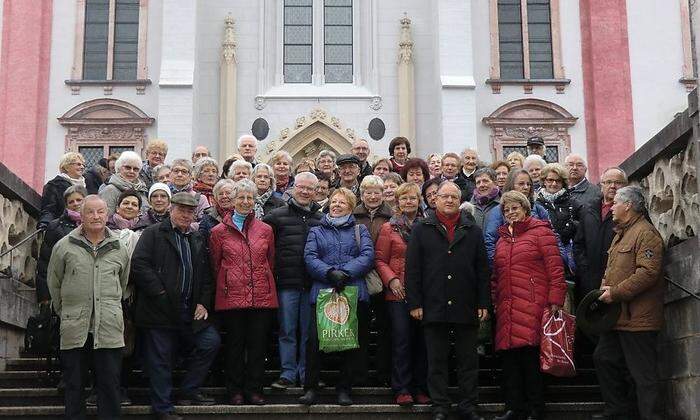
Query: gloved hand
[337,278]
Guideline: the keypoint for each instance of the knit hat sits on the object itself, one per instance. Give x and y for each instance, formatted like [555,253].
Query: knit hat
[159,186]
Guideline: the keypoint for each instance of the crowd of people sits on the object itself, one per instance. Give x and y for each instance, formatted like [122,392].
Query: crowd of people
[169,263]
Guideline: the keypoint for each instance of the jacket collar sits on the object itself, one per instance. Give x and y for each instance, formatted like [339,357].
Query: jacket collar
[384,211]
[349,223]
[314,207]
[110,241]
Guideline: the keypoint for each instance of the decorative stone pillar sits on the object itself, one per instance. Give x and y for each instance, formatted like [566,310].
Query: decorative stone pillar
[407,91]
[228,88]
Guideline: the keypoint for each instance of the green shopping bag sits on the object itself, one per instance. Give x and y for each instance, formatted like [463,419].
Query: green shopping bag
[336,319]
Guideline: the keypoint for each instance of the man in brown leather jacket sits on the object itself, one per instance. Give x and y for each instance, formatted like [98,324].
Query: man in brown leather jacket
[633,277]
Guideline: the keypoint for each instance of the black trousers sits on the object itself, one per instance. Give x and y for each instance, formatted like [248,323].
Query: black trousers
[107,366]
[382,324]
[437,340]
[522,380]
[353,361]
[626,365]
[247,334]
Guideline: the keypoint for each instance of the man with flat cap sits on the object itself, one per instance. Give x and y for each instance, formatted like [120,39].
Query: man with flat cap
[174,293]
[626,357]
[348,171]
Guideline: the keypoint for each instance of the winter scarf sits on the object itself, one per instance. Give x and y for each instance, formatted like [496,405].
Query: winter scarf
[260,202]
[73,181]
[483,200]
[549,197]
[74,216]
[400,224]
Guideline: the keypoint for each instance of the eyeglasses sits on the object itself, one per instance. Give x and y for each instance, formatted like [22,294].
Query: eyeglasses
[131,168]
[304,188]
[552,181]
[511,209]
[154,153]
[449,196]
[611,182]
[180,171]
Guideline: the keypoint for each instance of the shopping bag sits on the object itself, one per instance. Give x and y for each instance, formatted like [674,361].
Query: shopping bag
[336,319]
[557,343]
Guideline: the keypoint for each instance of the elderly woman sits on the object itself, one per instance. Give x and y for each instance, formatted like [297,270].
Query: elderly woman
[243,255]
[416,171]
[392,180]
[325,163]
[486,195]
[381,167]
[434,165]
[282,167]
[429,193]
[266,201]
[206,174]
[159,196]
[223,204]
[528,276]
[56,229]
[335,257]
[226,167]
[161,173]
[71,167]
[533,165]
[240,169]
[515,160]
[408,359]
[127,213]
[126,178]
[399,149]
[502,168]
[181,181]
[306,165]
[156,151]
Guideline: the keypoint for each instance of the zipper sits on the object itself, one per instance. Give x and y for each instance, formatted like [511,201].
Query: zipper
[532,290]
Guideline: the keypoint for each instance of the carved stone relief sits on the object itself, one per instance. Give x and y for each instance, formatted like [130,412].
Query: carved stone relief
[16,224]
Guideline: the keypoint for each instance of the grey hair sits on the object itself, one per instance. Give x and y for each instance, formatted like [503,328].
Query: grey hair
[127,157]
[446,183]
[221,184]
[245,185]
[485,171]
[305,175]
[238,164]
[576,155]
[325,153]
[533,159]
[159,168]
[634,195]
[182,162]
[75,189]
[258,167]
[281,154]
[246,137]
[201,163]
[615,168]
[371,181]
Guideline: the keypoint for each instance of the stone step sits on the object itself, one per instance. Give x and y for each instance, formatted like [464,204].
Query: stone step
[556,411]
[362,395]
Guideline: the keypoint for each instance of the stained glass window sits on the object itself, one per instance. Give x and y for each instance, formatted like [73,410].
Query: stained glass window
[92,155]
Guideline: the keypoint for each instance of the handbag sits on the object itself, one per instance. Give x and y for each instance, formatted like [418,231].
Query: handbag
[374,282]
[557,343]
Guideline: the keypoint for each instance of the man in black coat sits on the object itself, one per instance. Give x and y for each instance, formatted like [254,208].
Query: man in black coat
[447,288]
[291,225]
[174,292]
[580,188]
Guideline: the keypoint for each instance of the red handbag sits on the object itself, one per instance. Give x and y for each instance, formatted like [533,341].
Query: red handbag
[557,343]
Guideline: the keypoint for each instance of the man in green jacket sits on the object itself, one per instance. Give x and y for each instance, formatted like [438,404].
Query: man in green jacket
[87,275]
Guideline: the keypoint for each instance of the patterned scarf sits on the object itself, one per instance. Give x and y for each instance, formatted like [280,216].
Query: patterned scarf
[483,200]
[122,223]
[73,181]
[74,216]
[549,197]
[260,202]
[204,189]
[401,224]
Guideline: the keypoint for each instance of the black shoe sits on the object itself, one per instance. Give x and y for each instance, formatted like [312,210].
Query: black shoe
[91,400]
[471,416]
[125,400]
[282,383]
[168,416]
[440,416]
[309,398]
[196,398]
[344,398]
[509,415]
[535,415]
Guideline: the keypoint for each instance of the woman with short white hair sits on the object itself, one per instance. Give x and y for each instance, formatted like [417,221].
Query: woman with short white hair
[206,175]
[71,168]
[282,165]
[533,165]
[240,169]
[264,179]
[222,205]
[127,169]
[325,164]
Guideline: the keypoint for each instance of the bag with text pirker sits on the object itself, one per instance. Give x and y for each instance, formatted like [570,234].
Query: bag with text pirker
[336,319]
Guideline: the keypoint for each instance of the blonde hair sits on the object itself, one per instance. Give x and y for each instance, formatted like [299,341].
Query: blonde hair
[349,196]
[516,197]
[407,188]
[557,169]
[157,144]
[279,155]
[516,155]
[371,181]
[68,159]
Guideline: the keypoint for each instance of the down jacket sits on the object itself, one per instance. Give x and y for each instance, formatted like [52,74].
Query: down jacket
[243,263]
[335,248]
[55,230]
[291,225]
[528,276]
[564,214]
[495,220]
[390,258]
[52,202]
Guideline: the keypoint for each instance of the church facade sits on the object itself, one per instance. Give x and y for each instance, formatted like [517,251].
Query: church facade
[595,77]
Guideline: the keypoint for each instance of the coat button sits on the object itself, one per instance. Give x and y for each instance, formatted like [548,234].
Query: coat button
[449,252]
[449,302]
[449,277]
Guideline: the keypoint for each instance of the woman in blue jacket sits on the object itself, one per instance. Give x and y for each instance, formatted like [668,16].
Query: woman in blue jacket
[338,254]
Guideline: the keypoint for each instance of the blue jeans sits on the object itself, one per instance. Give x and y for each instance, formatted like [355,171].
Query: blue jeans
[162,347]
[293,314]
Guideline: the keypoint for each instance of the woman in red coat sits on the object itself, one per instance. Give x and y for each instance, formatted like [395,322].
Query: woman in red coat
[528,276]
[243,254]
[409,363]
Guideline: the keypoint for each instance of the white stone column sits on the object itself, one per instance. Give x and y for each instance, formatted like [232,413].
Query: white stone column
[227,95]
[455,67]
[407,94]
[176,79]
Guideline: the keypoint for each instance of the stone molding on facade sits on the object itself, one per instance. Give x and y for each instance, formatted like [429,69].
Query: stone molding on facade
[105,122]
[228,91]
[513,123]
[309,135]
[407,89]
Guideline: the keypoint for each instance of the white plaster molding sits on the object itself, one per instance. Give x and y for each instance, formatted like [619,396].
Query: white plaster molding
[466,82]
[376,103]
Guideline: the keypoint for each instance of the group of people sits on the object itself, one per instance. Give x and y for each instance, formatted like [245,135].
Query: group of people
[152,261]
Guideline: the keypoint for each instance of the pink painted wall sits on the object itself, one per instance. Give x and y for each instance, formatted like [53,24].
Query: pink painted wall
[24,80]
[607,85]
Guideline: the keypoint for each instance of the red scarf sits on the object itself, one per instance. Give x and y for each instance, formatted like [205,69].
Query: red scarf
[204,189]
[450,222]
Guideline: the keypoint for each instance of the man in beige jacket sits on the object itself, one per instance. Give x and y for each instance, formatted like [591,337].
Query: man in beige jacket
[633,277]
[87,276]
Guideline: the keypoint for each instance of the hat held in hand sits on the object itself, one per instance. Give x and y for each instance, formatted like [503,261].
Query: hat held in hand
[594,316]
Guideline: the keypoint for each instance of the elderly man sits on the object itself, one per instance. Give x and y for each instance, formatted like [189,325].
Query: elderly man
[349,171]
[156,151]
[200,152]
[447,288]
[450,170]
[470,160]
[290,225]
[247,148]
[87,275]
[626,357]
[535,146]
[583,191]
[360,148]
[174,293]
